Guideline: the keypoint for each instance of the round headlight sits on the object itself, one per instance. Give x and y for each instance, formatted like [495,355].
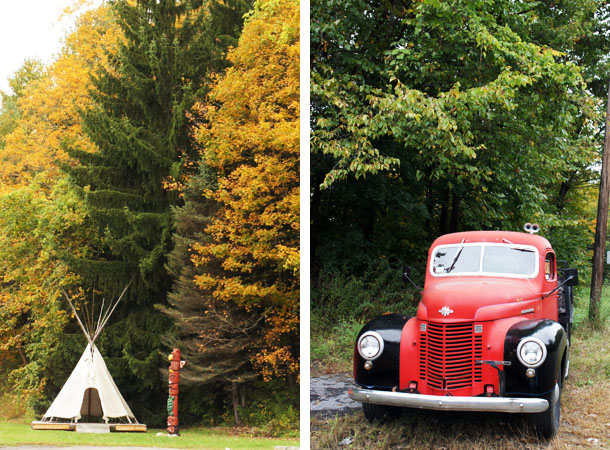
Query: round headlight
[531,352]
[370,345]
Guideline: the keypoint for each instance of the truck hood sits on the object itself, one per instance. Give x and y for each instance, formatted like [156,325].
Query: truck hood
[468,299]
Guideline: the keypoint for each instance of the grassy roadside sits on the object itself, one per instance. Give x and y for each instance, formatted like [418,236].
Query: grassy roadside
[332,347]
[14,433]
[585,421]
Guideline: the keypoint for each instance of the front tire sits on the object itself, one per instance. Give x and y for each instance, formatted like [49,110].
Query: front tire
[373,412]
[547,422]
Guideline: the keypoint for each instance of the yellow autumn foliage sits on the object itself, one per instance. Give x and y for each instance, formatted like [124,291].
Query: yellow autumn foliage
[50,106]
[253,143]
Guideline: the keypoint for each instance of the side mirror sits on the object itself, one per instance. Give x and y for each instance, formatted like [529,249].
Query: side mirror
[406,274]
[406,277]
[567,273]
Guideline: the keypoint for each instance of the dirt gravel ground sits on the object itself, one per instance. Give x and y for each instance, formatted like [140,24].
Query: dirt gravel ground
[328,396]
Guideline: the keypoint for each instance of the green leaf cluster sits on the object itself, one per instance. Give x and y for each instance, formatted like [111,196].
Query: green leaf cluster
[429,117]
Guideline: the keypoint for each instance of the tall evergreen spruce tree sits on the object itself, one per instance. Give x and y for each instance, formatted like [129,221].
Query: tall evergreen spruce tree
[219,357]
[140,126]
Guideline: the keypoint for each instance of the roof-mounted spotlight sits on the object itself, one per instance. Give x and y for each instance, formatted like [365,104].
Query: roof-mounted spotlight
[531,228]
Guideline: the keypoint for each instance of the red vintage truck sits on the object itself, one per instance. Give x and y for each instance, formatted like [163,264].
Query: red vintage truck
[491,333]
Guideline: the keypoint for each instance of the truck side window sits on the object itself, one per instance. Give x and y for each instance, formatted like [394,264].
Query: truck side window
[549,266]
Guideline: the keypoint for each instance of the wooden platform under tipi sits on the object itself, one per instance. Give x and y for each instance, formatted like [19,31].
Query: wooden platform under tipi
[113,427]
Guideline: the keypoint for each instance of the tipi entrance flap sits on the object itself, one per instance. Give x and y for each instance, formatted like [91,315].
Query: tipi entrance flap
[92,405]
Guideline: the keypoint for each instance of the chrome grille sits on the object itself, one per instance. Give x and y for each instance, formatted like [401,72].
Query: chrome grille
[447,355]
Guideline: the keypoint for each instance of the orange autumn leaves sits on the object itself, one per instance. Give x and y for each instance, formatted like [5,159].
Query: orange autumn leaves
[253,144]
[50,106]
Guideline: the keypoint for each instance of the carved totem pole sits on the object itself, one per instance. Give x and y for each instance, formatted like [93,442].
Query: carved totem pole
[175,364]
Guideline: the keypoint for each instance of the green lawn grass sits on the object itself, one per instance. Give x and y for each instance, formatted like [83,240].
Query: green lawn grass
[200,438]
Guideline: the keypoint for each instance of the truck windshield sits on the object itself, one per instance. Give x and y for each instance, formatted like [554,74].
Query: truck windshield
[484,259]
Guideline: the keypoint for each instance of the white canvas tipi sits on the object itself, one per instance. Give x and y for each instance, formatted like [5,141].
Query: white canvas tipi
[90,389]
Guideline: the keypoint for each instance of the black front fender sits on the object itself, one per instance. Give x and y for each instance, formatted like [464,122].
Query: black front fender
[553,335]
[385,371]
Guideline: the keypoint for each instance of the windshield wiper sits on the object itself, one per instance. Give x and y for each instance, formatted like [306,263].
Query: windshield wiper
[456,257]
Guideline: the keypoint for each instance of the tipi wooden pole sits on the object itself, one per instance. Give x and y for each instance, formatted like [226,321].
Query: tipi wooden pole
[78,319]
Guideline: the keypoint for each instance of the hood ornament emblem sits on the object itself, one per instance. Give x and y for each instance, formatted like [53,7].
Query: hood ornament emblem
[445,311]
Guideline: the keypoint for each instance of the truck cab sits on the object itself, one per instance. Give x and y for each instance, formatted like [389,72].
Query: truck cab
[491,333]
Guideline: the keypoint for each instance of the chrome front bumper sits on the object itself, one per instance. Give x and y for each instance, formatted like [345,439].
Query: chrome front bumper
[490,404]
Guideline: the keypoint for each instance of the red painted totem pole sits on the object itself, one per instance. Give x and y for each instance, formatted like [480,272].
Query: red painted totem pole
[175,364]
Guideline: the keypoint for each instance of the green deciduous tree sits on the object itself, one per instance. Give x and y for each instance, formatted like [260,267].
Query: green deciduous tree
[430,117]
[36,227]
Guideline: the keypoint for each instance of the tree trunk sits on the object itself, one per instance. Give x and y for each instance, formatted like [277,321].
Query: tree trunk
[235,404]
[455,214]
[561,197]
[24,360]
[599,246]
[430,204]
[314,217]
[291,380]
[444,221]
